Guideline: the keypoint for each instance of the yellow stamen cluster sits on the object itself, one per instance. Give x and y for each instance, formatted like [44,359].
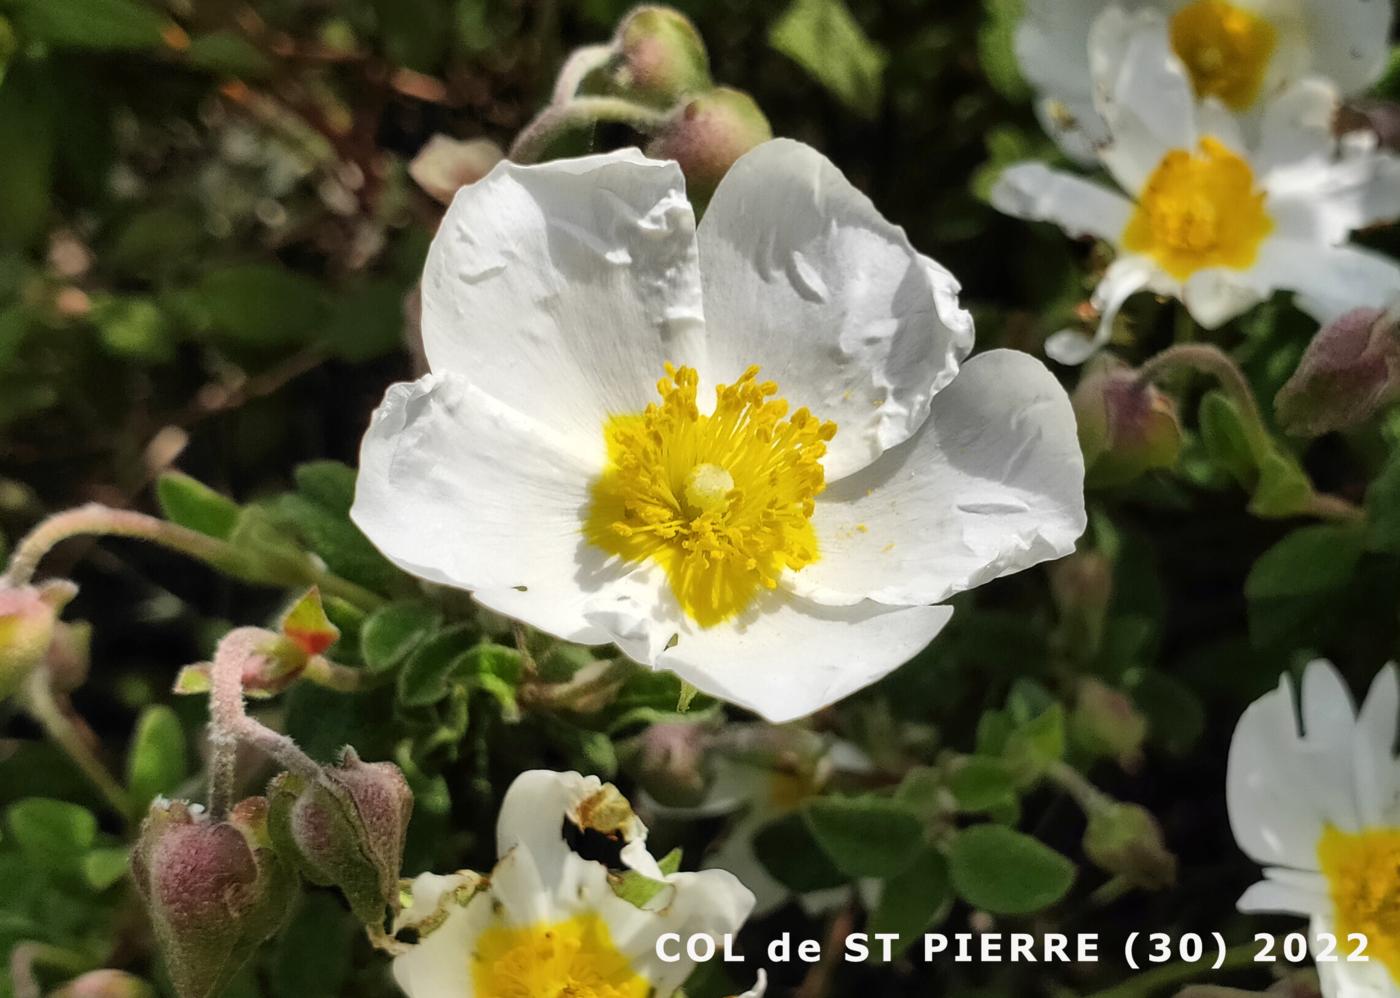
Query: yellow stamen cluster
[1200,209]
[572,959]
[1226,50]
[723,502]
[1363,874]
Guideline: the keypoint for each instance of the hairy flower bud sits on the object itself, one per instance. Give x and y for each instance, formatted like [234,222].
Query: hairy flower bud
[28,620]
[105,984]
[667,760]
[1350,371]
[1105,722]
[707,134]
[1126,841]
[1126,426]
[659,57]
[347,833]
[215,890]
[445,165]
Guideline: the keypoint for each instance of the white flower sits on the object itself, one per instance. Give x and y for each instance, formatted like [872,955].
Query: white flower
[699,523]
[1240,52]
[1320,809]
[548,921]
[1210,219]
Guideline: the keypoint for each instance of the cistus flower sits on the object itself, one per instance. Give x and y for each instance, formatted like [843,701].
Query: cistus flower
[28,624]
[1238,52]
[751,454]
[1319,807]
[1350,372]
[1211,218]
[215,890]
[549,920]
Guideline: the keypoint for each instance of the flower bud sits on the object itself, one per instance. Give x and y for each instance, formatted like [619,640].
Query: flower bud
[215,890]
[105,984]
[1082,586]
[707,134]
[1350,371]
[1126,426]
[660,57]
[667,761]
[346,833]
[1126,841]
[1105,722]
[70,655]
[445,165]
[28,619]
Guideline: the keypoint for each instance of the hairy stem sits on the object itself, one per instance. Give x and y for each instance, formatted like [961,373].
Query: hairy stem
[580,112]
[576,69]
[39,702]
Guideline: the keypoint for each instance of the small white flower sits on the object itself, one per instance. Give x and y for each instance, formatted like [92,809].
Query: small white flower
[548,921]
[1319,808]
[701,523]
[1239,52]
[1210,219]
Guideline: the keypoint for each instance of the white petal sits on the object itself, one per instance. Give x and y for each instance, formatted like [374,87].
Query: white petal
[1329,280]
[1350,40]
[1080,207]
[1282,788]
[1143,93]
[1052,42]
[785,657]
[1218,294]
[1217,121]
[1343,978]
[1377,771]
[1288,896]
[460,489]
[759,986]
[565,287]
[439,965]
[805,278]
[1295,135]
[992,484]
[1124,278]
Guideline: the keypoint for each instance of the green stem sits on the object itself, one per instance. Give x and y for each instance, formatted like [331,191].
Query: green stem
[1091,799]
[581,112]
[342,679]
[576,69]
[39,702]
[1149,982]
[95,520]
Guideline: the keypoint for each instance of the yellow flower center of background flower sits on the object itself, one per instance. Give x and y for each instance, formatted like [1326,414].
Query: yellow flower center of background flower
[722,502]
[571,959]
[1363,874]
[1226,50]
[1199,210]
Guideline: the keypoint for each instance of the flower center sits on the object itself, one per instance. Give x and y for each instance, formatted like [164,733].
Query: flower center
[1226,50]
[1199,209]
[1363,873]
[722,502]
[571,959]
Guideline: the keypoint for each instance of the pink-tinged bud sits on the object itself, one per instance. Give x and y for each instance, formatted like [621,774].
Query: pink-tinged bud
[668,762]
[28,620]
[707,134]
[105,984]
[659,58]
[307,626]
[1350,371]
[1105,722]
[1126,841]
[348,835]
[1126,426]
[215,890]
[70,655]
[271,662]
[445,165]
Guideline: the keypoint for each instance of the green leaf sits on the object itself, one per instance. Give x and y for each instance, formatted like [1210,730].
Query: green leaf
[982,784]
[865,836]
[367,321]
[133,326]
[312,955]
[1007,873]
[52,834]
[1225,439]
[671,862]
[823,38]
[157,761]
[1034,745]
[190,503]
[1383,508]
[261,305]
[26,167]
[391,633]
[1283,490]
[1175,717]
[636,889]
[93,24]
[996,49]
[329,483]
[1310,560]
[340,544]
[227,53]
[913,900]
[104,867]
[788,851]
[423,680]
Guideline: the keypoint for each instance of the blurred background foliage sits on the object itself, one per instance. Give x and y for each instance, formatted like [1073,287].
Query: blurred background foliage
[209,244]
